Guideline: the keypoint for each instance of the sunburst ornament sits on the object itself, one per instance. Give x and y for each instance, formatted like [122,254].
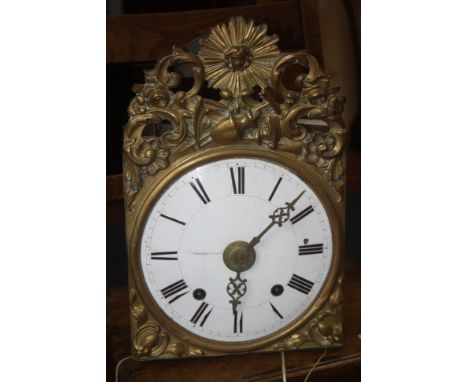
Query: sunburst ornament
[239,55]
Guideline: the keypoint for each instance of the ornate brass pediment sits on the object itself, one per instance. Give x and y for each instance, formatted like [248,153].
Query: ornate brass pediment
[255,106]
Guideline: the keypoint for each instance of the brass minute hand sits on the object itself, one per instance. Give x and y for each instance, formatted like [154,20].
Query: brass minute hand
[280,216]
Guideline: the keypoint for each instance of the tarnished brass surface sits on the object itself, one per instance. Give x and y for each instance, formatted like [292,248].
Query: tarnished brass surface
[239,256]
[172,131]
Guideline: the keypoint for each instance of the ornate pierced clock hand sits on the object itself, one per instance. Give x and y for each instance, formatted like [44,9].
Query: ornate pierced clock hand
[236,288]
[279,216]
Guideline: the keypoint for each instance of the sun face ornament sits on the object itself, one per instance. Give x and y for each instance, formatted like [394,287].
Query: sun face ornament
[239,55]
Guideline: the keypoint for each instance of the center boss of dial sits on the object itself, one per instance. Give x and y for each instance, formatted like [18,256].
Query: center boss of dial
[239,256]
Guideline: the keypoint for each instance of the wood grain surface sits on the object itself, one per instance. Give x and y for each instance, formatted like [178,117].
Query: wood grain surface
[311,28]
[148,37]
[341,364]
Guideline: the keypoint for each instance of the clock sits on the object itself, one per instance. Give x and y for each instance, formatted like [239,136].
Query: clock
[235,205]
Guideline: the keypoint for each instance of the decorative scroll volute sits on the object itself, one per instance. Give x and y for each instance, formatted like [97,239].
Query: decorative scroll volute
[326,328]
[255,107]
[150,340]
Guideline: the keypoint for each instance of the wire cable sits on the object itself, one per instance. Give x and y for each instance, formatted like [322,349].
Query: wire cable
[118,366]
[315,365]
[283,366]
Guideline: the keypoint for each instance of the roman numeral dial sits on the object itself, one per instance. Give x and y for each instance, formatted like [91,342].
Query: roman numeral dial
[211,217]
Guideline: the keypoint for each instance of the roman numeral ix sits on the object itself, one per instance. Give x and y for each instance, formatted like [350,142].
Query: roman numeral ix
[173,289]
[300,284]
[239,185]
[301,214]
[201,309]
[169,255]
[310,249]
[200,190]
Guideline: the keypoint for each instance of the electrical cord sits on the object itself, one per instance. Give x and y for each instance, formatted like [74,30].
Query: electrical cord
[118,366]
[283,366]
[315,365]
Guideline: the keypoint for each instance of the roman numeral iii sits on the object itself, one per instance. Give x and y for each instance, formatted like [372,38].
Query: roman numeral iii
[199,313]
[238,185]
[200,190]
[310,249]
[300,284]
[173,289]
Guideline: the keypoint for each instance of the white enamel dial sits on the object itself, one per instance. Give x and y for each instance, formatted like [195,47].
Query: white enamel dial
[217,204]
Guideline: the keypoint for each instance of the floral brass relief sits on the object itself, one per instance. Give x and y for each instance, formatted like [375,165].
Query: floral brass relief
[325,329]
[150,340]
[255,106]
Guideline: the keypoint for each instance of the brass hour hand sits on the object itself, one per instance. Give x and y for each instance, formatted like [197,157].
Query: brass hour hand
[280,216]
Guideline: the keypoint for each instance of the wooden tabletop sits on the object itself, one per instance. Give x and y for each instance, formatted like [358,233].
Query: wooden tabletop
[337,365]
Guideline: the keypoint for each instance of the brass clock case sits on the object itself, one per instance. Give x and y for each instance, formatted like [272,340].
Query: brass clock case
[194,161]
[276,125]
